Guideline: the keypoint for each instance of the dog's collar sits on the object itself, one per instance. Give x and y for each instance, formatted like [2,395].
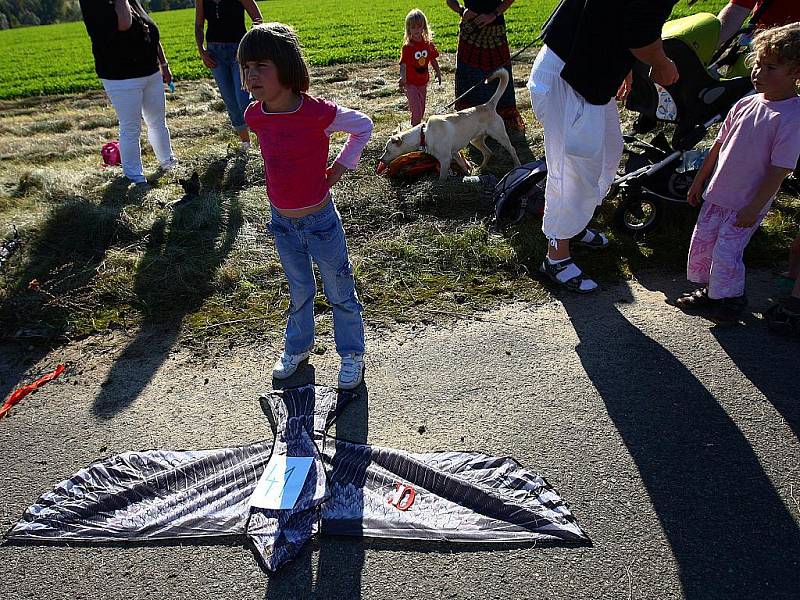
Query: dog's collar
[422,146]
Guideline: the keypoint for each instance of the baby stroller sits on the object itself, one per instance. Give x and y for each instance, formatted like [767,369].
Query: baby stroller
[658,171]
[661,171]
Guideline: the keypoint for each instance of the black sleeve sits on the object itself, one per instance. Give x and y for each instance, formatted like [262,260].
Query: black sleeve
[642,21]
[100,19]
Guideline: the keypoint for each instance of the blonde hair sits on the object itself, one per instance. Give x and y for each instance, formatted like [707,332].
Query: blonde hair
[782,43]
[417,17]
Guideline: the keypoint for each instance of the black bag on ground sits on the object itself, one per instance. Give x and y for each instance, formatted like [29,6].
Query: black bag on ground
[520,192]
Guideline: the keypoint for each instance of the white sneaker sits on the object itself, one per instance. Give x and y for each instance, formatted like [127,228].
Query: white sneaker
[170,165]
[351,372]
[287,364]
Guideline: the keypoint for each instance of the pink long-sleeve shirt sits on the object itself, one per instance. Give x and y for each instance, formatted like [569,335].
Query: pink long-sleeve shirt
[295,148]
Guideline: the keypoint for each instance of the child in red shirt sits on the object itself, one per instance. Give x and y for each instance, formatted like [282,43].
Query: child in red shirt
[418,52]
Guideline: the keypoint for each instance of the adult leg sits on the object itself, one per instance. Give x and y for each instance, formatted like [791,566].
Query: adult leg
[126,98]
[243,97]
[296,262]
[327,245]
[154,109]
[226,74]
[571,193]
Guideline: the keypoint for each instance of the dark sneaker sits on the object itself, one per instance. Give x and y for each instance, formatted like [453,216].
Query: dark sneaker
[729,310]
[696,300]
[784,316]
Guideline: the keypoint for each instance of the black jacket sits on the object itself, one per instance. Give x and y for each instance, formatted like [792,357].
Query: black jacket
[593,38]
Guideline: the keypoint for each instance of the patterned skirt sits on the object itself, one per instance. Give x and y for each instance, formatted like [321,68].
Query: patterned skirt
[482,50]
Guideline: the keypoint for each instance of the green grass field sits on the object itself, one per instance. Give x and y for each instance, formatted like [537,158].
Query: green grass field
[56,59]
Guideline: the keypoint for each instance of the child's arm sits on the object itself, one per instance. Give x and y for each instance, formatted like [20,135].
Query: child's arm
[772,180]
[695,195]
[401,83]
[435,65]
[359,126]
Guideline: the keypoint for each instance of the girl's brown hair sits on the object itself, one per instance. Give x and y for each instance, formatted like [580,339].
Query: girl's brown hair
[278,43]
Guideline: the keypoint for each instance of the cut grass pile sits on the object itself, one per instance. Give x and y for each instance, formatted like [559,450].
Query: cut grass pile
[56,59]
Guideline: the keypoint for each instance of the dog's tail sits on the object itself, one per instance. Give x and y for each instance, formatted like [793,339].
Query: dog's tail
[502,75]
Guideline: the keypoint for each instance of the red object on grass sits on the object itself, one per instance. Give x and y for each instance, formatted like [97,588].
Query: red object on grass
[20,393]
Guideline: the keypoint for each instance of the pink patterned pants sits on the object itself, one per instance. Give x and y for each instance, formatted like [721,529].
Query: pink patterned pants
[416,102]
[715,254]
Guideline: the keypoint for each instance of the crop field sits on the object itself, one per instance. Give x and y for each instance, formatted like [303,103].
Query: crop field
[57,59]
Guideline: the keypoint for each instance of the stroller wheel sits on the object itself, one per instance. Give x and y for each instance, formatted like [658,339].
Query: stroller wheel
[638,215]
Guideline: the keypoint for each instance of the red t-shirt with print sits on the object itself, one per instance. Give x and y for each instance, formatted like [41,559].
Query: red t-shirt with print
[779,12]
[416,58]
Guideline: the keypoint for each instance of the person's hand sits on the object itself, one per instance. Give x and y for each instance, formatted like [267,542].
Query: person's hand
[746,217]
[166,73]
[334,173]
[695,195]
[625,87]
[664,73]
[439,77]
[401,83]
[468,15]
[208,60]
[485,19]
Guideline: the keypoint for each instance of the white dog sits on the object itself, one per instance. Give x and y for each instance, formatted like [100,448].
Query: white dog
[443,136]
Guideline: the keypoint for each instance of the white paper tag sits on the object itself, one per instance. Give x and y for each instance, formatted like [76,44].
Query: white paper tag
[281,482]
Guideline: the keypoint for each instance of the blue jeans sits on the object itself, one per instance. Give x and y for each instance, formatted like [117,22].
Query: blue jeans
[320,237]
[229,81]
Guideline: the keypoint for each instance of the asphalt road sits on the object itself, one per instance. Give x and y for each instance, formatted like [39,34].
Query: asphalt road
[675,444]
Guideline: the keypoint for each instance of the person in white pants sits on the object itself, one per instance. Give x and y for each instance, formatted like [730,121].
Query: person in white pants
[130,62]
[590,47]
[133,99]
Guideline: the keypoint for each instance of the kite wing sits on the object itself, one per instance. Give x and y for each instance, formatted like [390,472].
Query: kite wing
[445,496]
[157,494]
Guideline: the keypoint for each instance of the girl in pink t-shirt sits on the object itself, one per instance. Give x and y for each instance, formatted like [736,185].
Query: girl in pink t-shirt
[418,52]
[293,130]
[757,147]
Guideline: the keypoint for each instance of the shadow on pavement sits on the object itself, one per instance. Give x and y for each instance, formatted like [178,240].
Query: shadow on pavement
[730,532]
[770,362]
[173,279]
